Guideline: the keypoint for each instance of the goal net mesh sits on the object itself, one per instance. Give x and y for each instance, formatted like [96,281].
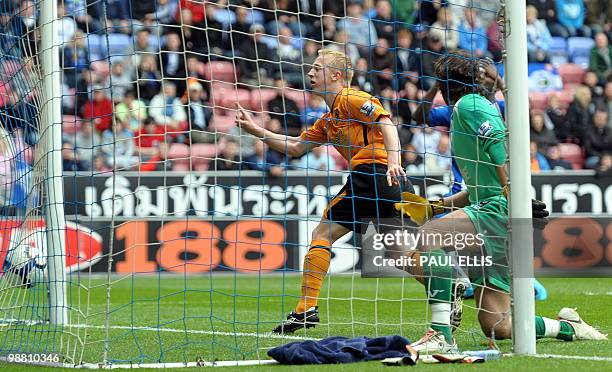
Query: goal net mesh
[185,235]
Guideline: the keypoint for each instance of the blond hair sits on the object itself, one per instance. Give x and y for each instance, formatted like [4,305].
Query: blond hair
[583,95]
[340,61]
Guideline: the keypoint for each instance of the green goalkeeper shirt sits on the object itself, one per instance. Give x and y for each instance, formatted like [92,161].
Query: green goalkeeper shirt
[478,140]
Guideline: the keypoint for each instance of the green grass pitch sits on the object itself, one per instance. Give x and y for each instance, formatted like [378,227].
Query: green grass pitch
[228,317]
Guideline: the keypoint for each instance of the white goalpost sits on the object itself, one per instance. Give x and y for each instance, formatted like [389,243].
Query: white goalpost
[51,129]
[521,246]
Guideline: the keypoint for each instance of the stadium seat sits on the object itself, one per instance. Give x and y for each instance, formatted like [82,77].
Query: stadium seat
[538,101]
[535,67]
[300,97]
[119,44]
[70,124]
[220,71]
[226,100]
[179,155]
[261,97]
[558,51]
[222,123]
[571,73]
[96,45]
[572,153]
[579,49]
[202,155]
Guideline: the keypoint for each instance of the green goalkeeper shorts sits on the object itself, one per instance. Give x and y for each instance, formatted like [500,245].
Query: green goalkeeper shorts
[490,218]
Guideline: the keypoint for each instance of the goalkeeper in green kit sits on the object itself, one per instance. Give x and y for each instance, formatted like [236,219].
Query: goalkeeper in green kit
[478,140]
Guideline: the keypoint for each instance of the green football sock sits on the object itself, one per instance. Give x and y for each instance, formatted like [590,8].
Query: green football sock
[552,328]
[438,286]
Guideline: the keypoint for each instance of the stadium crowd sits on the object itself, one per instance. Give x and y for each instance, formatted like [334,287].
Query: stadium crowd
[151,84]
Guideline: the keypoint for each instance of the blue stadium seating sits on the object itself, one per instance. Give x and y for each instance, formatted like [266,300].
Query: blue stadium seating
[558,51]
[119,44]
[97,47]
[579,49]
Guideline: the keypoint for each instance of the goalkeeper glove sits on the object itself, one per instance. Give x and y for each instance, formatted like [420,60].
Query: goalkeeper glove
[538,207]
[419,209]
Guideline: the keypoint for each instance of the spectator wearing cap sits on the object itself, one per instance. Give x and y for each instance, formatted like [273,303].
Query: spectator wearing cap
[200,115]
[538,36]
[472,36]
[359,29]
[99,109]
[600,60]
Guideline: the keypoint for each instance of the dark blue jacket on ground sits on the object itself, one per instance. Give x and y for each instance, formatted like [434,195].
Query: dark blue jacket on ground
[340,350]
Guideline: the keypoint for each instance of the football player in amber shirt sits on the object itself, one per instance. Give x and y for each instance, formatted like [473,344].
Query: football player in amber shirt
[362,131]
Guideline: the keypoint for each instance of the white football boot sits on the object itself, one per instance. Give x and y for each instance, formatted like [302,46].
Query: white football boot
[434,342]
[582,331]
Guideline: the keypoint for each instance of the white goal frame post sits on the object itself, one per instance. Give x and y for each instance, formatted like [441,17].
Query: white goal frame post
[521,230]
[51,129]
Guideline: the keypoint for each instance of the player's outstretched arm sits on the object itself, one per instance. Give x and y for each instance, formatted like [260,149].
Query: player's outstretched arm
[393,147]
[292,146]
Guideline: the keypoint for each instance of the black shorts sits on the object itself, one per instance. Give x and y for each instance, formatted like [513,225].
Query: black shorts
[366,197]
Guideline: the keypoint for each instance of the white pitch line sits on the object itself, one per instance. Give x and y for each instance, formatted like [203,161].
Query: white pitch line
[598,294]
[574,357]
[174,330]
